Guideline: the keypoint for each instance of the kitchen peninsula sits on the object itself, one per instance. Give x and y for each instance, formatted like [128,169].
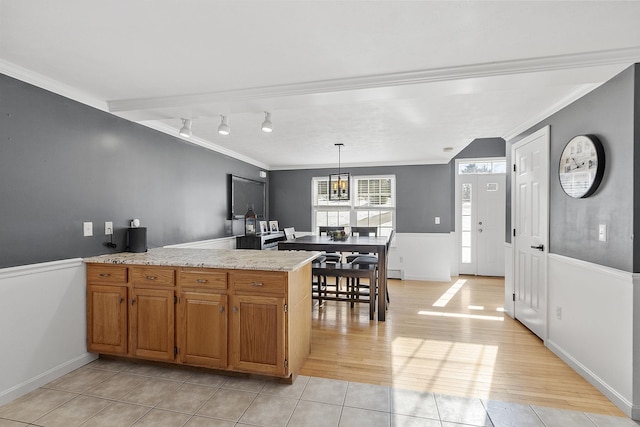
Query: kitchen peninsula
[237,310]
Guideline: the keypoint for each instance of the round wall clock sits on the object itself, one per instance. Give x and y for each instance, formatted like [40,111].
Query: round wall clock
[581,166]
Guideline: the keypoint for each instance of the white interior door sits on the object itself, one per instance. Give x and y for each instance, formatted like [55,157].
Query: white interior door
[480,216]
[530,219]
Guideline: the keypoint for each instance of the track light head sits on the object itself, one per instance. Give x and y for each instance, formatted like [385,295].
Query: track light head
[185,130]
[224,129]
[266,125]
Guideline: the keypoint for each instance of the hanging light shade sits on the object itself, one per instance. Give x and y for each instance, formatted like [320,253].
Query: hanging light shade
[266,125]
[224,129]
[185,130]
[339,182]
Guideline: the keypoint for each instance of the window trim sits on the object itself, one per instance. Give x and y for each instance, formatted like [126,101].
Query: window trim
[350,205]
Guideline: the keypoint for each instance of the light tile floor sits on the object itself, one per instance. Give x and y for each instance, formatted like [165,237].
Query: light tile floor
[116,393]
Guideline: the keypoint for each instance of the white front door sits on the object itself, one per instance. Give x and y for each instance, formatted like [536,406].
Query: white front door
[530,221]
[480,216]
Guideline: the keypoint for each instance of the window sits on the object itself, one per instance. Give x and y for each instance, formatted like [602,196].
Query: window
[372,204]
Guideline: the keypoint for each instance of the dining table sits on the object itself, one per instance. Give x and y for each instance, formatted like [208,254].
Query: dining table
[378,245]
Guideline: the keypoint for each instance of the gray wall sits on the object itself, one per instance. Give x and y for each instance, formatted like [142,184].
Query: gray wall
[607,112]
[423,191]
[62,163]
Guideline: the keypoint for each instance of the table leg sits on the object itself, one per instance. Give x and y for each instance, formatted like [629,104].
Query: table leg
[382,283]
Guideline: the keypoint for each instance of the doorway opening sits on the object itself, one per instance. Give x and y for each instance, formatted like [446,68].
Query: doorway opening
[480,215]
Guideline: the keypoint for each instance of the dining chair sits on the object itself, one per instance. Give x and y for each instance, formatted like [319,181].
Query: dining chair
[362,231]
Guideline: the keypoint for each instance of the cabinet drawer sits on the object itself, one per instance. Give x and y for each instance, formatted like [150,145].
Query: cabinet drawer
[259,281]
[100,273]
[151,275]
[203,278]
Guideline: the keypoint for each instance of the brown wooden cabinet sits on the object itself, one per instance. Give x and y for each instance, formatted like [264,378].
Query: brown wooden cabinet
[203,319]
[151,325]
[243,320]
[257,338]
[107,318]
[107,309]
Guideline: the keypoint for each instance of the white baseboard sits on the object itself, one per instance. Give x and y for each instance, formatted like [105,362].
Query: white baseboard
[611,394]
[38,381]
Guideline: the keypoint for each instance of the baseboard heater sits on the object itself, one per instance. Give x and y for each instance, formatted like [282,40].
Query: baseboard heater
[395,274]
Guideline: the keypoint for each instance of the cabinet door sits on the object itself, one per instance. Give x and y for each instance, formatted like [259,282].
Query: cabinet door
[151,329]
[258,335]
[107,319]
[202,329]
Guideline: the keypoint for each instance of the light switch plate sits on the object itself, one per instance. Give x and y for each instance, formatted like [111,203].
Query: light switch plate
[437,220]
[602,232]
[108,228]
[87,228]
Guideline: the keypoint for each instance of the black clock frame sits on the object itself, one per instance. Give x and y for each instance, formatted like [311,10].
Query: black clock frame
[599,169]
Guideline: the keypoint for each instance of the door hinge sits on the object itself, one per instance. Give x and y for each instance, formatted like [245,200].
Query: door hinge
[175,351]
[514,296]
[514,232]
[285,308]
[514,167]
[175,299]
[286,363]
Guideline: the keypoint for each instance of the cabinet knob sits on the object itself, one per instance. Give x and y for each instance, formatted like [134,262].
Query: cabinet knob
[132,301]
[151,277]
[121,300]
[235,309]
[221,309]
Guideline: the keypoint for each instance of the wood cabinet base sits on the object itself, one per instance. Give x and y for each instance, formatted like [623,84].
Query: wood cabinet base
[254,322]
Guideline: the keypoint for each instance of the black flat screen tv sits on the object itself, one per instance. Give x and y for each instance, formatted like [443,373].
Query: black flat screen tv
[245,192]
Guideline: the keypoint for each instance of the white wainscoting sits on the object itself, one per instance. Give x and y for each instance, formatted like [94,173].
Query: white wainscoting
[423,256]
[42,325]
[595,334]
[508,280]
[221,243]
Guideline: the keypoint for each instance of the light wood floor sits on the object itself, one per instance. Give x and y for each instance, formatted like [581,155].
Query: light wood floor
[452,349]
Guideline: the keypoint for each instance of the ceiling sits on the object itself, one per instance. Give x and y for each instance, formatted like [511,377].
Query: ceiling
[396,81]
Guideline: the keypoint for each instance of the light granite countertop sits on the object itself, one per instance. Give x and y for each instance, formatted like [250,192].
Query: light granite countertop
[245,259]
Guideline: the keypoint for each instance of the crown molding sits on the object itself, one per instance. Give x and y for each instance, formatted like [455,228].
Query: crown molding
[164,128]
[547,112]
[17,72]
[361,165]
[490,69]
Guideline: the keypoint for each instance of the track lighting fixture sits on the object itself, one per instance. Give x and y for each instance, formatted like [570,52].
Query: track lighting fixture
[266,125]
[223,129]
[185,130]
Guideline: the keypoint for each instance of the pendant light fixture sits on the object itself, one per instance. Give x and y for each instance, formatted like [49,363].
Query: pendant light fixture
[185,130]
[339,183]
[266,125]
[224,129]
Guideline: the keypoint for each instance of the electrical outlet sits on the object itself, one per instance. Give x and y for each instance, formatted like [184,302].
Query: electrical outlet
[559,313]
[108,228]
[87,228]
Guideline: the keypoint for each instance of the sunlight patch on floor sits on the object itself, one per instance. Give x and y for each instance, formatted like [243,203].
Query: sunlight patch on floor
[450,293]
[461,315]
[442,362]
